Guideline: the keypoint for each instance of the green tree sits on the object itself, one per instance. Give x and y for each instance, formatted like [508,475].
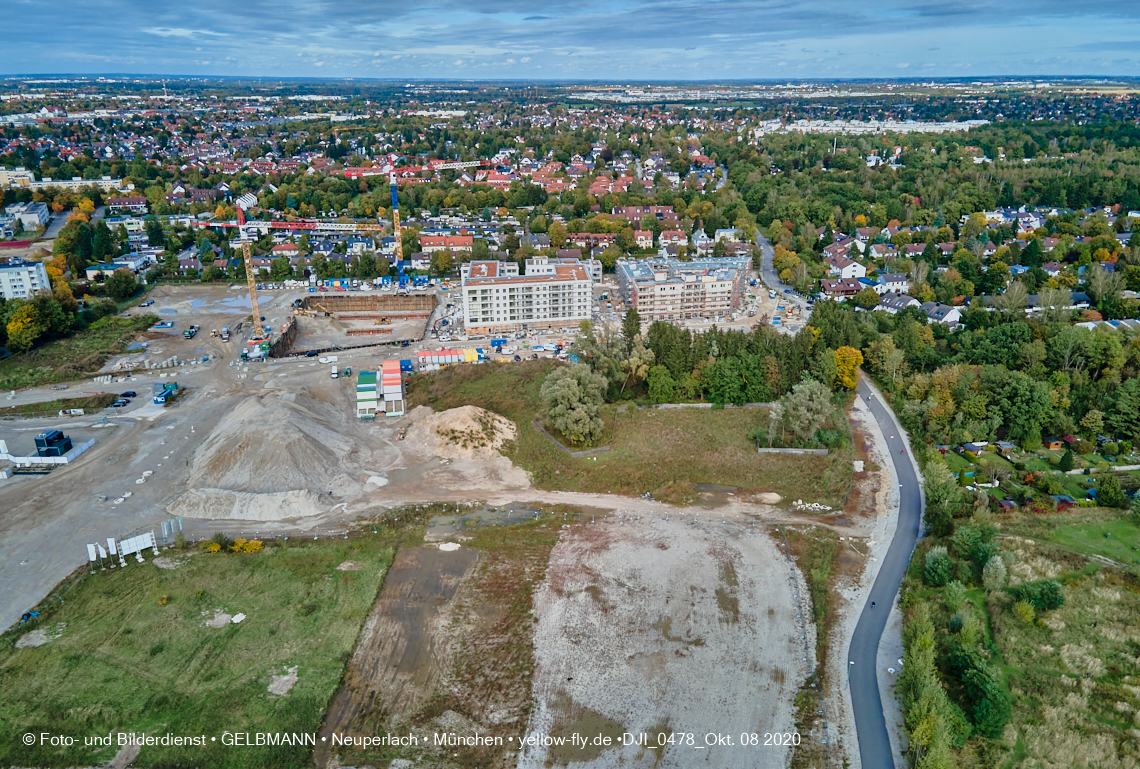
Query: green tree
[994,574]
[154,234]
[868,298]
[572,397]
[280,269]
[1065,464]
[943,495]
[936,569]
[637,364]
[1109,493]
[662,388]
[630,326]
[102,245]
[806,408]
[121,285]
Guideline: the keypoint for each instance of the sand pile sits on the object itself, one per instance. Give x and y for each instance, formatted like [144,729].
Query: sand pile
[274,457]
[467,432]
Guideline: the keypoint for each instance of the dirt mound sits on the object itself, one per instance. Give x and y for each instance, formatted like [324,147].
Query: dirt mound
[225,505]
[274,443]
[467,432]
[274,457]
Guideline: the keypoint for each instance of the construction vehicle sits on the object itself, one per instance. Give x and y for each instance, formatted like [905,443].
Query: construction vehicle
[250,273]
[382,322]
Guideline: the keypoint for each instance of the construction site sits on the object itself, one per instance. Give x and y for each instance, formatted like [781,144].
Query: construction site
[600,613]
[341,321]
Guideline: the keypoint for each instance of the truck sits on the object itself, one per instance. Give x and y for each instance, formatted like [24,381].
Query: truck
[226,334]
[191,332]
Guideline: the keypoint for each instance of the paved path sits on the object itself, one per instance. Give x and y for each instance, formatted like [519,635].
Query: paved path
[871,726]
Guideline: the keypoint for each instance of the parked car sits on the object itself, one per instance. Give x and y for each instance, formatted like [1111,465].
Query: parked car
[129,394]
[120,404]
[147,303]
[311,354]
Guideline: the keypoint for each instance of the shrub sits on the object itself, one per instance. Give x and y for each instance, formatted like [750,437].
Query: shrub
[954,596]
[246,545]
[1083,447]
[213,547]
[994,574]
[1042,596]
[1109,493]
[1066,462]
[936,572]
[1023,610]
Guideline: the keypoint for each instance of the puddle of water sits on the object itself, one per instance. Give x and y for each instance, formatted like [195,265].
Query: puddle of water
[714,495]
[168,311]
[135,346]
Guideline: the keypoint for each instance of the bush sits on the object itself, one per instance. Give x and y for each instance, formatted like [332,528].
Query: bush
[954,596]
[994,573]
[1066,462]
[1109,493]
[936,571]
[1023,610]
[572,396]
[1042,596]
[1083,447]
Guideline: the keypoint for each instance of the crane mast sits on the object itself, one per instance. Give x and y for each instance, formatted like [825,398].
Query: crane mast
[396,230]
[258,329]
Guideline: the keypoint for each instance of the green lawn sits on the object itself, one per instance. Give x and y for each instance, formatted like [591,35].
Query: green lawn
[89,404]
[1090,538]
[124,662]
[667,452]
[73,357]
[956,462]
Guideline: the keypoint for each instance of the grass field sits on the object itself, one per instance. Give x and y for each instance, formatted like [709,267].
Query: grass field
[1072,672]
[94,402]
[73,357]
[134,653]
[665,452]
[1090,538]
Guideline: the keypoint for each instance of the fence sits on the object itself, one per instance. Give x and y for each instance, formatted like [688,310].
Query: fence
[66,458]
[816,452]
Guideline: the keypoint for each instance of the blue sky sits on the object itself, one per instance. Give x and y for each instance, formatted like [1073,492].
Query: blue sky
[585,39]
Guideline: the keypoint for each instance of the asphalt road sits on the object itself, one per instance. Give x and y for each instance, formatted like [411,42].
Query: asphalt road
[874,744]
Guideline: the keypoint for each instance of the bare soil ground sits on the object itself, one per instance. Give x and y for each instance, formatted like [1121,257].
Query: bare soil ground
[661,624]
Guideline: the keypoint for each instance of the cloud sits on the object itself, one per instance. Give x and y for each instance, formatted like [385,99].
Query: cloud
[628,38]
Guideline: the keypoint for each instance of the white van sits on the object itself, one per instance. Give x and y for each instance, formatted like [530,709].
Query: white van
[334,373]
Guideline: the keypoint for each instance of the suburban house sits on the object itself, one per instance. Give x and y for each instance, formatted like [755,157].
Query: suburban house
[432,243]
[891,283]
[285,249]
[358,244]
[673,238]
[942,313]
[842,267]
[644,238]
[893,303]
[840,289]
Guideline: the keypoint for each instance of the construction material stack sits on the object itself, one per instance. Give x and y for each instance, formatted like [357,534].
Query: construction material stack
[367,395]
[392,388]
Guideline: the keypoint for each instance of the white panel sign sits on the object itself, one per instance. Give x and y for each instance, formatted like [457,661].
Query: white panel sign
[91,552]
[111,545]
[102,552]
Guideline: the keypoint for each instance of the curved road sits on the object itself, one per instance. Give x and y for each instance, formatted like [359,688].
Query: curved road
[871,726]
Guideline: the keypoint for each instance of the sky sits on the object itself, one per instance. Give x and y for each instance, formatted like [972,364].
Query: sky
[619,40]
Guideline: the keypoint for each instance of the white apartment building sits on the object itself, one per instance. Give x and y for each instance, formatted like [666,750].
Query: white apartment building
[31,215]
[21,280]
[544,265]
[496,301]
[668,289]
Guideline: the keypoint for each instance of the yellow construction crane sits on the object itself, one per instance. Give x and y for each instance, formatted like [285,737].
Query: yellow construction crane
[250,277]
